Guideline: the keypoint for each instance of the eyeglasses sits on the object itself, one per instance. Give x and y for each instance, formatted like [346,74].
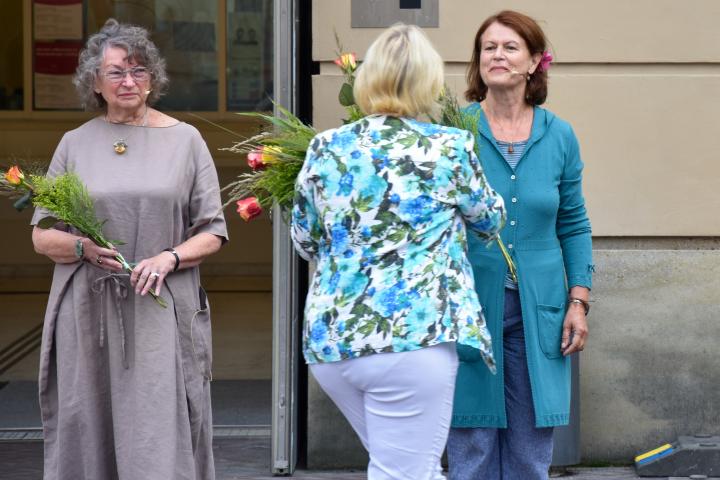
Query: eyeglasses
[139,74]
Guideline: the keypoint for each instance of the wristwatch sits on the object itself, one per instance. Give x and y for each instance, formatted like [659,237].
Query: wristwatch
[79,249]
[177,257]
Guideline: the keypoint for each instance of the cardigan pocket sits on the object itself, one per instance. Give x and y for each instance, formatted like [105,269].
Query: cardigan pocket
[549,322]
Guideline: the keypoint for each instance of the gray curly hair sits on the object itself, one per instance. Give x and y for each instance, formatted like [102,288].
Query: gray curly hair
[136,42]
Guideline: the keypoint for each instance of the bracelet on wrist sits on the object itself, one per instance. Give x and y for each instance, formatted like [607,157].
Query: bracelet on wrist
[79,249]
[177,258]
[582,302]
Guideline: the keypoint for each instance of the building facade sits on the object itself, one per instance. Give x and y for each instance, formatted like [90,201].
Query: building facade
[639,81]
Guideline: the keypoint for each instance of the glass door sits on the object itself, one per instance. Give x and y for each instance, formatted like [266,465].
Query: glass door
[222,57]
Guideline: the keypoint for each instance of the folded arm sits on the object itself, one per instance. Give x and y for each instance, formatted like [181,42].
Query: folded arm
[481,206]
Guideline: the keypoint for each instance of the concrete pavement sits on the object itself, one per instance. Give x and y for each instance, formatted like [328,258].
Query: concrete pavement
[247,459]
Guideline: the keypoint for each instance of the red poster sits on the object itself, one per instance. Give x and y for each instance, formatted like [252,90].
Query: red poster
[57,40]
[57,58]
[55,64]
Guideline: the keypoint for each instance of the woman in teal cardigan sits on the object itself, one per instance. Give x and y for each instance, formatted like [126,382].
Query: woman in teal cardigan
[502,424]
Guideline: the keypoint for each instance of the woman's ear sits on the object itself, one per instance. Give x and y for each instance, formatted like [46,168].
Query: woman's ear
[534,62]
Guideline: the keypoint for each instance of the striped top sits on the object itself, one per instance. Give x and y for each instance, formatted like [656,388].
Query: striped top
[512,159]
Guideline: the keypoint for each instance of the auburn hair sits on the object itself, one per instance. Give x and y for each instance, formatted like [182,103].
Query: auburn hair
[536,42]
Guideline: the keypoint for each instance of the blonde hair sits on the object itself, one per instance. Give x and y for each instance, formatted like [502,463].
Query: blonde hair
[401,74]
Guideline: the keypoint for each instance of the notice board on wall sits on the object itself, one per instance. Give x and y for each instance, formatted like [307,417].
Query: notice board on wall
[58,37]
[249,58]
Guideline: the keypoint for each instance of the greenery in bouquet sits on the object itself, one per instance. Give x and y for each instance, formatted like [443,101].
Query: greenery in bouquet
[275,158]
[68,201]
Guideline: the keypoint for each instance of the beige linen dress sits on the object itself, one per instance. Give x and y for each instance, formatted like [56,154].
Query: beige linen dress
[124,383]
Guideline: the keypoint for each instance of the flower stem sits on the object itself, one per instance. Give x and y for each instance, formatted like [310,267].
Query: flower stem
[508,260]
[128,269]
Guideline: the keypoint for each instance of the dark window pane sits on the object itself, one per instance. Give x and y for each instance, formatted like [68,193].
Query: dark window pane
[410,4]
[185,31]
[250,55]
[11,53]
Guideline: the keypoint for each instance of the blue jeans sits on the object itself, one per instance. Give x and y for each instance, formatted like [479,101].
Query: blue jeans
[520,451]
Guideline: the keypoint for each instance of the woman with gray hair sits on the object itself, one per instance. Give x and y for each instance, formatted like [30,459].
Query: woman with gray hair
[124,382]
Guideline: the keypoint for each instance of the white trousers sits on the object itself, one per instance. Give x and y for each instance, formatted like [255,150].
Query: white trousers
[399,404]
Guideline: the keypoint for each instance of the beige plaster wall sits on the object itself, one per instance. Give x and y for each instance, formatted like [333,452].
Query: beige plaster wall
[639,81]
[639,31]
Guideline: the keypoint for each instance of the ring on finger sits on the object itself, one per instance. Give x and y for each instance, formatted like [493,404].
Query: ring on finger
[154,274]
[98,260]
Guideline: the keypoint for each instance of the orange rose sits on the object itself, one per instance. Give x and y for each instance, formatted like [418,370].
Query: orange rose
[347,62]
[14,176]
[248,208]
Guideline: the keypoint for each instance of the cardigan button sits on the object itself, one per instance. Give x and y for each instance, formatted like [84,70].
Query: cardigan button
[510,245]
[512,177]
[512,222]
[514,199]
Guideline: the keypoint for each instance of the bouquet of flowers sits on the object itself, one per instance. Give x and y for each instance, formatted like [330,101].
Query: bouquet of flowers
[67,198]
[348,64]
[276,156]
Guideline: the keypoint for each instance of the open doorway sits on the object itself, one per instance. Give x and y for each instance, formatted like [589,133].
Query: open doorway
[217,73]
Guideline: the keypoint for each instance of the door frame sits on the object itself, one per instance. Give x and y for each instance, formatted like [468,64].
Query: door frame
[286,352]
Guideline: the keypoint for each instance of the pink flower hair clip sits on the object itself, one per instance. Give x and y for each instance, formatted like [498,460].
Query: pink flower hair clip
[545,62]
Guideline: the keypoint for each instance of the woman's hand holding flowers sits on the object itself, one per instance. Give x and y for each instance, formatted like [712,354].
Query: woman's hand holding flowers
[151,273]
[100,256]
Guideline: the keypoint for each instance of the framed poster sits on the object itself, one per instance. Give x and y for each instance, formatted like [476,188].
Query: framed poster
[55,64]
[58,19]
[249,55]
[58,37]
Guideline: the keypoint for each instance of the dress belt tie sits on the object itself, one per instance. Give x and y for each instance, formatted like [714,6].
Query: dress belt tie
[121,292]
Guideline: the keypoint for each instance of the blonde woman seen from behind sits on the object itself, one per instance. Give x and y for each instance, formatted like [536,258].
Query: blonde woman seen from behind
[382,206]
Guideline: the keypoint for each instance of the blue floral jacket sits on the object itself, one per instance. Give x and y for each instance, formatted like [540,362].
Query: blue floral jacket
[380,205]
